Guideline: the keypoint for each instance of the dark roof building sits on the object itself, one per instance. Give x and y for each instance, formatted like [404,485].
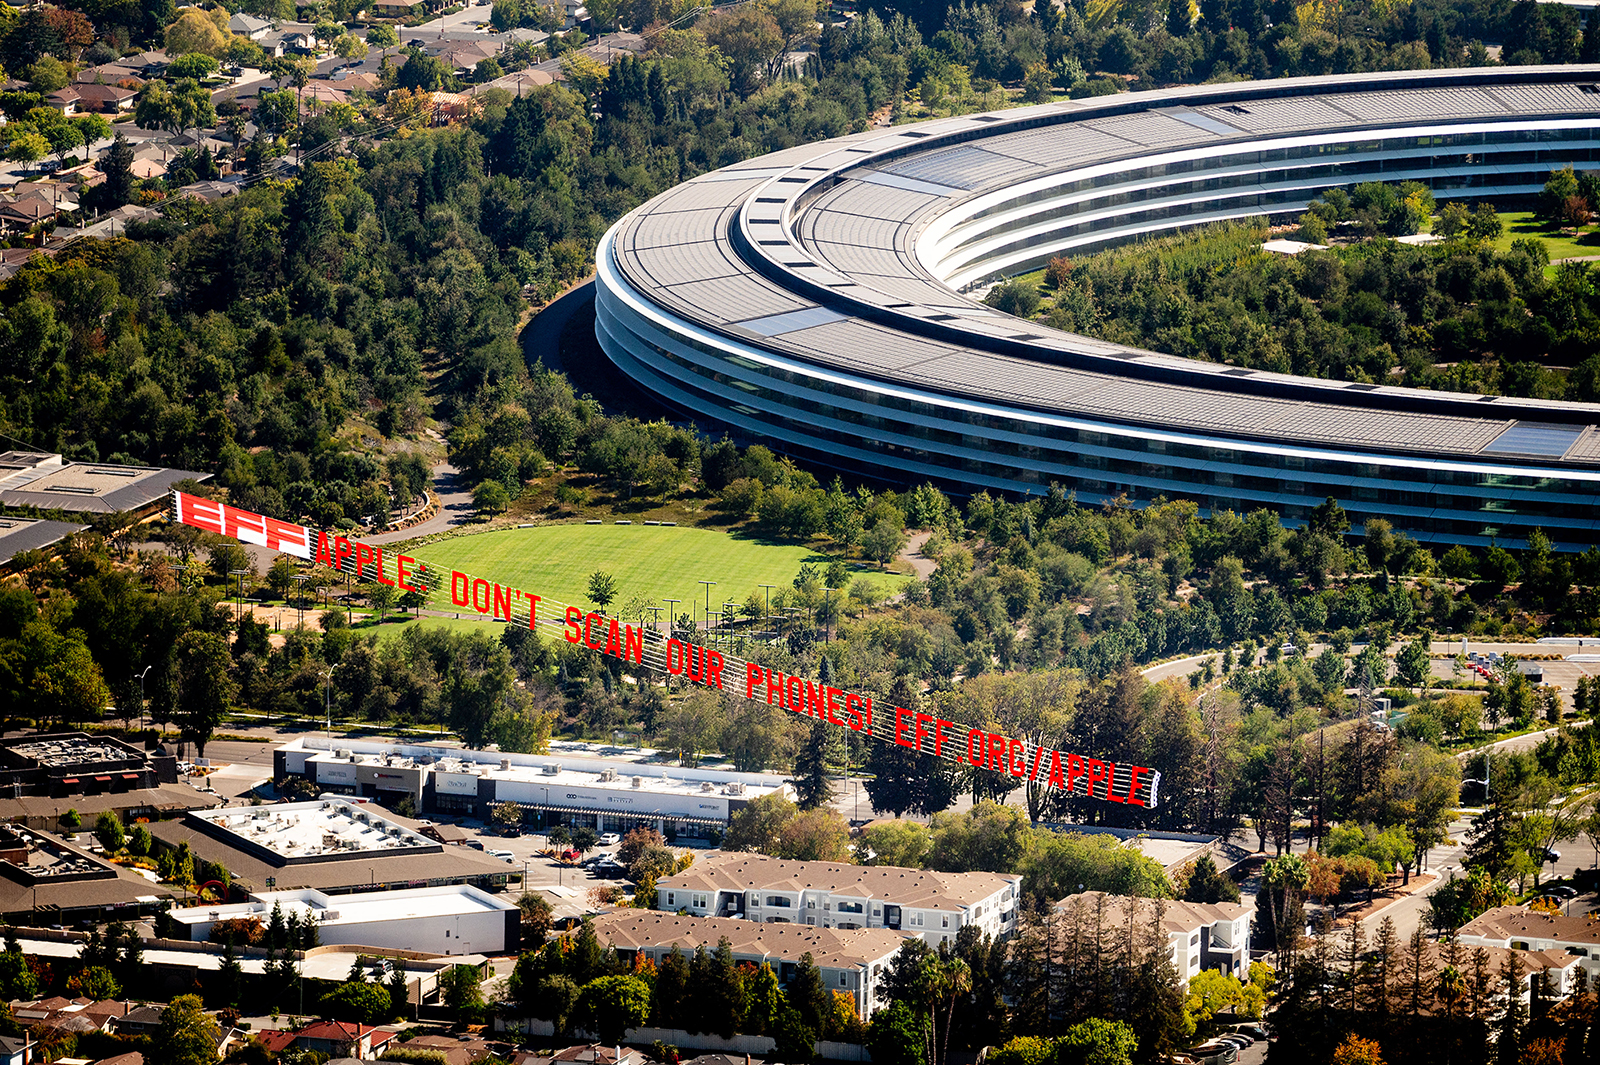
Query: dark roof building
[46,880]
[28,534]
[45,481]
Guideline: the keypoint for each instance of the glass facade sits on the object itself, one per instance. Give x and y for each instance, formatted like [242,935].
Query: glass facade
[906,435]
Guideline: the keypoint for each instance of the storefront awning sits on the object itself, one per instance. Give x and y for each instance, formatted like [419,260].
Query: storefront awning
[130,776]
[71,780]
[642,815]
[103,780]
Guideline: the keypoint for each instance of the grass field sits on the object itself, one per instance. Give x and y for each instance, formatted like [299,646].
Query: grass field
[555,561]
[1522,224]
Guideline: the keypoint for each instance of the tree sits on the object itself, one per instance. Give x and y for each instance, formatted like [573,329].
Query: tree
[47,75]
[186,1035]
[117,165]
[602,589]
[108,830]
[760,825]
[1414,664]
[897,1035]
[358,1001]
[205,688]
[611,1005]
[461,993]
[1206,883]
[811,780]
[198,31]
[96,982]
[537,916]
[26,146]
[1358,1051]
[899,843]
[195,65]
[490,497]
[816,835]
[382,35]
[185,107]
[883,541]
[903,779]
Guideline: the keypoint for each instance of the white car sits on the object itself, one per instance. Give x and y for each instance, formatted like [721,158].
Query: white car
[504,856]
[610,839]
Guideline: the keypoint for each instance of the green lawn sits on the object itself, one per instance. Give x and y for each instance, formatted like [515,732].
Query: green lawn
[554,561]
[1521,224]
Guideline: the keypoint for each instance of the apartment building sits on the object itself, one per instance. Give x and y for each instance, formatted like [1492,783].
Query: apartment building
[1518,928]
[919,902]
[1201,935]
[850,960]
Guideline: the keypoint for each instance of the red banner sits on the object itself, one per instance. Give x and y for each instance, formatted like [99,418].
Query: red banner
[648,647]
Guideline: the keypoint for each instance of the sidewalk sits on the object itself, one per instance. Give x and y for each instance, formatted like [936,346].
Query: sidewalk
[1388,897]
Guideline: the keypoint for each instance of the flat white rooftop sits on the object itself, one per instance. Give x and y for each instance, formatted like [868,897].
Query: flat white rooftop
[552,769]
[312,829]
[361,908]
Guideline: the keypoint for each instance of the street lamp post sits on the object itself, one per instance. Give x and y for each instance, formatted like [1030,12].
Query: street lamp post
[672,614]
[141,697]
[300,596]
[239,600]
[708,586]
[766,618]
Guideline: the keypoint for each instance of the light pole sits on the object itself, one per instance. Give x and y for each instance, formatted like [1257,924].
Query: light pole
[766,618]
[239,600]
[708,586]
[327,705]
[672,614]
[300,595]
[141,697]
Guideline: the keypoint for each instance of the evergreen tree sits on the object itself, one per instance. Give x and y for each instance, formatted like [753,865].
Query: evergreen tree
[670,992]
[811,784]
[117,165]
[229,983]
[1509,1044]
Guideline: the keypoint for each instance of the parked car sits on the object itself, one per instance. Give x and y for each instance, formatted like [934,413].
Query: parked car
[504,856]
[475,844]
[610,839]
[1255,1031]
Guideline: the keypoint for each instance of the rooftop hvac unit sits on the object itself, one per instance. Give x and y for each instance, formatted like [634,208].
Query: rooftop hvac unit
[342,752]
[706,785]
[608,774]
[638,782]
[328,915]
[736,788]
[505,765]
[552,768]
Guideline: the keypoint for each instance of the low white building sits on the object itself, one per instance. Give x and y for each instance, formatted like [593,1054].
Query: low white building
[611,795]
[934,906]
[458,919]
[1201,935]
[850,960]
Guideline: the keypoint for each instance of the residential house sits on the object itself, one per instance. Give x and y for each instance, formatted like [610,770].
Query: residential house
[398,8]
[336,1039]
[64,100]
[147,64]
[141,1020]
[250,26]
[457,1050]
[1200,935]
[850,960]
[16,1050]
[109,74]
[25,212]
[919,902]
[108,98]
[209,191]
[592,1054]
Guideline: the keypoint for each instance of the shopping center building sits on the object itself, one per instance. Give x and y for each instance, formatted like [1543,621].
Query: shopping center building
[823,300]
[607,794]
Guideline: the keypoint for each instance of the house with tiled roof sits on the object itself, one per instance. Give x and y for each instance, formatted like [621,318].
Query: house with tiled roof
[1519,928]
[1201,935]
[109,98]
[920,902]
[335,1039]
[64,100]
[850,960]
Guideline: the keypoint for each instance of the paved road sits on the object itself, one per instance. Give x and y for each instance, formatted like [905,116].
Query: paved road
[455,508]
